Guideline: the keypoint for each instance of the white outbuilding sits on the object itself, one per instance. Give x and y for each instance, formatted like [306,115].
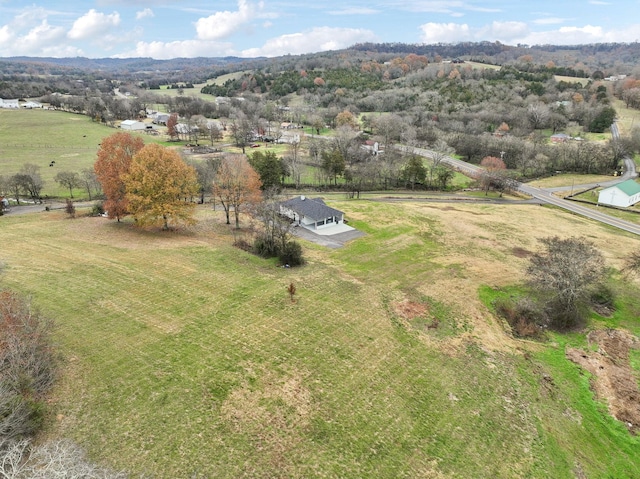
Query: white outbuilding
[133,125]
[623,194]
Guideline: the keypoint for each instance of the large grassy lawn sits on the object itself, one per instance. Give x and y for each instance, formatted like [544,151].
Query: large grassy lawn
[183,356]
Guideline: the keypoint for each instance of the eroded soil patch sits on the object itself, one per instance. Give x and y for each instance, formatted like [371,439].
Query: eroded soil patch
[613,378]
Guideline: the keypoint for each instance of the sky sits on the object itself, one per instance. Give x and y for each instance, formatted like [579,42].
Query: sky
[165,29]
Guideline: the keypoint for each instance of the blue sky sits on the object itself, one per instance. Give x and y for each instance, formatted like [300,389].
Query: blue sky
[166,29]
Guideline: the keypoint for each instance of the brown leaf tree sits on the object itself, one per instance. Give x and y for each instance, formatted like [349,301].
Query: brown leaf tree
[236,185]
[114,160]
[159,185]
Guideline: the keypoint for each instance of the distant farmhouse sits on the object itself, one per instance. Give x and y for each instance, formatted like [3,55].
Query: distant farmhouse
[311,213]
[623,194]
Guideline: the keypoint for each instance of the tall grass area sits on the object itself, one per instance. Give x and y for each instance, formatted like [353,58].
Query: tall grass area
[186,357]
[71,140]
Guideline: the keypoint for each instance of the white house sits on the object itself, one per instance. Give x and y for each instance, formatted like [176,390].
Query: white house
[623,194]
[312,213]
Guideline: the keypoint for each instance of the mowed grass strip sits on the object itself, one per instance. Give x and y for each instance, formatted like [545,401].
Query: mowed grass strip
[184,355]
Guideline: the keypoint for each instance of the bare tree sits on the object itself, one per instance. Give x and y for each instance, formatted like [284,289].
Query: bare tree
[30,181]
[55,459]
[27,366]
[90,182]
[68,179]
[563,274]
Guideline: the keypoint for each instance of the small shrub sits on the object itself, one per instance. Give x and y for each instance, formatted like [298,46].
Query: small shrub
[292,254]
[263,246]
[97,209]
[524,316]
[70,208]
[602,300]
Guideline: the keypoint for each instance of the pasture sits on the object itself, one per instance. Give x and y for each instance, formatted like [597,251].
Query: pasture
[185,357]
[69,139]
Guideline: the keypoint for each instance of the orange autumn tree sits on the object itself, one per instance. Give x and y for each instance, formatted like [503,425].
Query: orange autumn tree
[158,185]
[236,185]
[114,159]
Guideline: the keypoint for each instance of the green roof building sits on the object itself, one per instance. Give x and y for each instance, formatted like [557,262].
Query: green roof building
[623,194]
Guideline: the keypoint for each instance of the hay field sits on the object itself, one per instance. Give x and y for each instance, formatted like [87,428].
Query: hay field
[184,356]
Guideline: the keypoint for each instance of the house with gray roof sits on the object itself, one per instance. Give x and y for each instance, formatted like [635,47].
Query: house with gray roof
[623,195]
[312,213]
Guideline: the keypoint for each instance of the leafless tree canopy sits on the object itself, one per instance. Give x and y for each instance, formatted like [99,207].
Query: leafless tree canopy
[563,273]
[26,366]
[52,460]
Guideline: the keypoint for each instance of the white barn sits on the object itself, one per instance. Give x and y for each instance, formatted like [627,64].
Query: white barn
[9,104]
[623,194]
[133,125]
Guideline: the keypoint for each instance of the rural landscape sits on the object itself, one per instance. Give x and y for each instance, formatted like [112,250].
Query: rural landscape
[465,304]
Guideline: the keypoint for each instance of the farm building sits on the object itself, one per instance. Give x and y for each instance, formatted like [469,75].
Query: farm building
[160,118]
[312,213]
[133,125]
[30,105]
[9,104]
[623,194]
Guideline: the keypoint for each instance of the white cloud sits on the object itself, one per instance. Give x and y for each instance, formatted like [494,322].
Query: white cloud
[512,33]
[354,11]
[445,32]
[314,40]
[93,24]
[28,17]
[179,49]
[6,35]
[223,24]
[41,40]
[549,21]
[146,13]
[42,36]
[505,32]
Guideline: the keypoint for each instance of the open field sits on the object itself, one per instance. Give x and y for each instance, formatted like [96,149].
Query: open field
[569,179]
[627,117]
[184,356]
[568,79]
[71,140]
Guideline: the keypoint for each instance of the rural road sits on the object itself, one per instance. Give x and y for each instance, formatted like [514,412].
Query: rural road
[545,195]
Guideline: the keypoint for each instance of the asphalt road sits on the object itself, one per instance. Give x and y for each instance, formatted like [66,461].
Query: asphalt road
[545,195]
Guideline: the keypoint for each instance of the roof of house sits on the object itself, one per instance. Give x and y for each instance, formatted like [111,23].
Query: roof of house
[629,187]
[313,208]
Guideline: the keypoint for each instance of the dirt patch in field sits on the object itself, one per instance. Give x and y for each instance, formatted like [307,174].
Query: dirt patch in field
[521,252]
[410,309]
[613,378]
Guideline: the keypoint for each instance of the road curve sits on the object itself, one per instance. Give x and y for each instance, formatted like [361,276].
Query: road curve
[547,196]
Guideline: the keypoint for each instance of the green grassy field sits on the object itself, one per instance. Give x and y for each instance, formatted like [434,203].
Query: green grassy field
[184,356]
[71,140]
